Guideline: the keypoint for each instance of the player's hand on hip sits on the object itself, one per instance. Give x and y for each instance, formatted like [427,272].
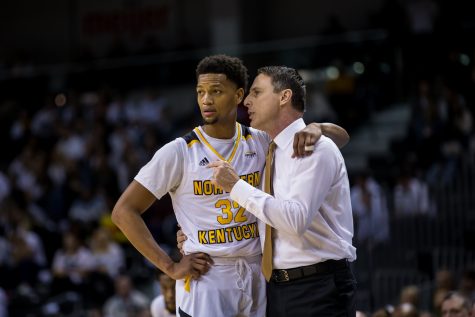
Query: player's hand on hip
[180,241]
[304,140]
[224,175]
[195,264]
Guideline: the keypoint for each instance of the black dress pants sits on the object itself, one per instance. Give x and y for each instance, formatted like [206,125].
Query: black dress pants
[320,295]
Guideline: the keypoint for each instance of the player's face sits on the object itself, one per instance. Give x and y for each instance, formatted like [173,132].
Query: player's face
[262,103]
[218,98]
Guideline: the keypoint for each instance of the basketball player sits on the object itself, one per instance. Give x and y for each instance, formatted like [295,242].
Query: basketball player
[218,230]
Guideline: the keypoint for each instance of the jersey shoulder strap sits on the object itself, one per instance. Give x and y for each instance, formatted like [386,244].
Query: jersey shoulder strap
[246,132]
[190,138]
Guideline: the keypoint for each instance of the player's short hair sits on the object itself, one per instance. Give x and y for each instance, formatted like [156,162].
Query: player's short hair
[232,67]
[283,77]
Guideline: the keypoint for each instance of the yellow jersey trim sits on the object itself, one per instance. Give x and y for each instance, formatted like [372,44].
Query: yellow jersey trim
[190,144]
[236,144]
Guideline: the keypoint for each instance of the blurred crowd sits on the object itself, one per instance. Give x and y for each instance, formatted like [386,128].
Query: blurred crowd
[70,159]
[448,299]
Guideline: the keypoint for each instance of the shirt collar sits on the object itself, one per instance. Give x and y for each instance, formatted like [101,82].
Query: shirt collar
[286,136]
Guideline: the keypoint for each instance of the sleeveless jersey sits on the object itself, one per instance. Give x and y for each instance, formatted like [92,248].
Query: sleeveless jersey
[213,223]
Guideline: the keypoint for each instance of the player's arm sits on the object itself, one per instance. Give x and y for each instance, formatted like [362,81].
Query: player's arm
[338,134]
[127,215]
[312,132]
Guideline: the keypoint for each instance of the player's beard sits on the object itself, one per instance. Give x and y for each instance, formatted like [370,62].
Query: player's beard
[210,121]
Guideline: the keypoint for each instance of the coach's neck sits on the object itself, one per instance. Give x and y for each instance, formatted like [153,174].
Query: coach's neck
[287,115]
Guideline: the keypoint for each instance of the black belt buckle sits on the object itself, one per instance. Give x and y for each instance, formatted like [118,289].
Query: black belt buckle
[285,275]
[280,276]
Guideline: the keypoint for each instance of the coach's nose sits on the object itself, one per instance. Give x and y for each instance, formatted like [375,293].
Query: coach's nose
[247,102]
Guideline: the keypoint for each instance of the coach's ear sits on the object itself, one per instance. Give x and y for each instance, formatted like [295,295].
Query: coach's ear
[285,96]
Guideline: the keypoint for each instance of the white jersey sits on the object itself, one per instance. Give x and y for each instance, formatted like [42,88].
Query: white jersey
[158,307]
[213,223]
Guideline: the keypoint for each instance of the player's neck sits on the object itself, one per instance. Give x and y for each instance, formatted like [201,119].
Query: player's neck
[220,130]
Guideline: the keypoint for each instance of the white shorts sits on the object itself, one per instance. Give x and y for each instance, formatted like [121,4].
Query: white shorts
[233,287]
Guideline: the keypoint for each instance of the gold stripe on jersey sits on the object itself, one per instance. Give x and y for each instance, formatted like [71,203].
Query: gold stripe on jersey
[190,144]
[191,138]
[236,144]
[228,234]
[246,132]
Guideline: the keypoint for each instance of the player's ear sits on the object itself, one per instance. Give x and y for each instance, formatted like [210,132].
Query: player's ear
[239,95]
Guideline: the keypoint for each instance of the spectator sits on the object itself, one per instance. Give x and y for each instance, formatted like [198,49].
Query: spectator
[384,312]
[108,257]
[127,301]
[164,304]
[405,310]
[455,304]
[88,207]
[71,265]
[72,144]
[410,295]
[360,314]
[411,196]
[20,226]
[23,269]
[107,261]
[444,283]
[370,210]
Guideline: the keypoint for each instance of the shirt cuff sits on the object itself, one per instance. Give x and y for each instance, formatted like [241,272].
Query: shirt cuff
[241,192]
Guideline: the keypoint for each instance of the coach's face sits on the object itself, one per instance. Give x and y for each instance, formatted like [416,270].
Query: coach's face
[262,103]
[218,98]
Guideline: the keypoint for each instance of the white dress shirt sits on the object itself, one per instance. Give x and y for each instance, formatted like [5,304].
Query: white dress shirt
[311,208]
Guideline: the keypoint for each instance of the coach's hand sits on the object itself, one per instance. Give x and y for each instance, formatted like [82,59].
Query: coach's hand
[195,264]
[224,175]
[180,240]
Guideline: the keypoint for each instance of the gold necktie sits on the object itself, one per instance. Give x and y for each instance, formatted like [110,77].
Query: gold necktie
[268,188]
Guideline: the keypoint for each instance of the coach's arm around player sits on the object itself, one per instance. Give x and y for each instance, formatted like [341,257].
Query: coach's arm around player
[127,216]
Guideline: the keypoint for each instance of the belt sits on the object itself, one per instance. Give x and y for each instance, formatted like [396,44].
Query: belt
[328,266]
